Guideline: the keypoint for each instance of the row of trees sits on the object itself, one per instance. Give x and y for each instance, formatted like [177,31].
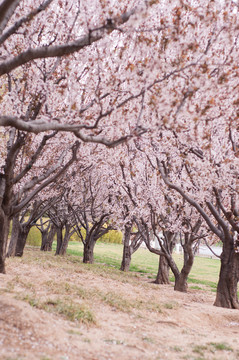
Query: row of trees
[126,117]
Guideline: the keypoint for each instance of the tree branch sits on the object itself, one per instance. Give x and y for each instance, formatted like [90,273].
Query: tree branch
[227,214]
[34,157]
[7,9]
[190,200]
[65,49]
[23,20]
[24,202]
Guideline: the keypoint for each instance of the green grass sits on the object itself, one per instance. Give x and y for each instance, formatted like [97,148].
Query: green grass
[117,302]
[221,346]
[204,274]
[69,309]
[205,271]
[210,348]
[199,349]
[176,348]
[170,305]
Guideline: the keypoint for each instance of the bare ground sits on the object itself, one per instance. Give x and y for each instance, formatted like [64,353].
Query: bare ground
[58,308]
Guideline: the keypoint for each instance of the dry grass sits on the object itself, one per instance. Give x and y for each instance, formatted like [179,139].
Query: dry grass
[119,314]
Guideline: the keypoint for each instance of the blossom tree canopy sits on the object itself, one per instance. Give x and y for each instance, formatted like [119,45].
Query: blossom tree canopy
[111,70]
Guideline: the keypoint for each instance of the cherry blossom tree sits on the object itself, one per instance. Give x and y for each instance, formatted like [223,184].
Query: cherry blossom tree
[90,205]
[27,170]
[203,171]
[48,231]
[155,212]
[219,210]
[22,223]
[63,219]
[36,84]
[132,238]
[166,240]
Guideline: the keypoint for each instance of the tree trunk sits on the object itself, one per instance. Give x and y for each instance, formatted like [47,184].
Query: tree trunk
[228,278]
[163,271]
[14,236]
[4,231]
[44,238]
[166,249]
[126,259]
[164,265]
[21,240]
[65,241]
[181,281]
[48,238]
[88,255]
[58,240]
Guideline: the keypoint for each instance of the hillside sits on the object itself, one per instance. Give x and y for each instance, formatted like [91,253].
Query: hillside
[56,308]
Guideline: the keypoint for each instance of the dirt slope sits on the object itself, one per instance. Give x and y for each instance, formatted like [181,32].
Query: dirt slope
[120,316]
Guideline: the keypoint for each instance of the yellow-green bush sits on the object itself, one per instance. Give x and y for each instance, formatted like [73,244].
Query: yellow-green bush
[75,236]
[113,236]
[34,237]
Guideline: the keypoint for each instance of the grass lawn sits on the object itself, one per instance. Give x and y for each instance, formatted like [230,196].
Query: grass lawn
[204,272]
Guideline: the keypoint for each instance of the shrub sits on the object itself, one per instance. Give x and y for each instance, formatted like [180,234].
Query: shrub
[113,236]
[34,237]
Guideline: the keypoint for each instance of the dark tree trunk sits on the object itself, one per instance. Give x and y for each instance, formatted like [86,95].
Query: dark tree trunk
[4,231]
[59,240]
[126,259]
[14,236]
[88,255]
[164,266]
[47,238]
[166,246]
[181,281]
[21,240]
[65,241]
[163,271]
[228,278]
[50,239]
[44,240]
